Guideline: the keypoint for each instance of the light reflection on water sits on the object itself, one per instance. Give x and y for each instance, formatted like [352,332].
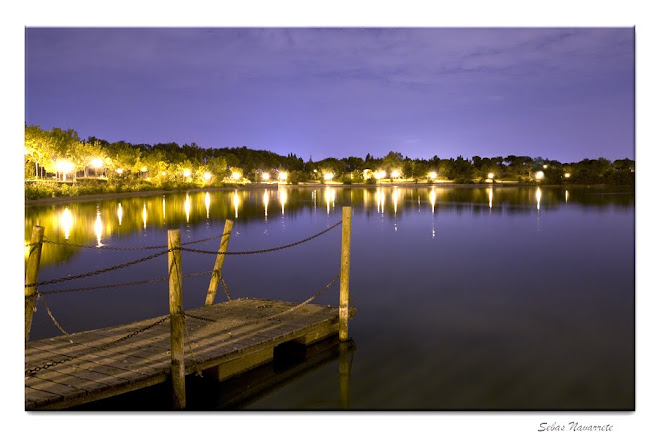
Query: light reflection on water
[465,301]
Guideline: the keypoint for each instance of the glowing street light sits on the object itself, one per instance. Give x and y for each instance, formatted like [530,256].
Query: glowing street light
[97,163]
[545,167]
[265,176]
[395,174]
[433,175]
[328,176]
[207,176]
[163,173]
[143,169]
[236,175]
[491,175]
[283,176]
[567,175]
[64,167]
[380,175]
[539,175]
[186,173]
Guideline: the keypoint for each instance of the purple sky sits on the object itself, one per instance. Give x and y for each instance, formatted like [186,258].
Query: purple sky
[564,94]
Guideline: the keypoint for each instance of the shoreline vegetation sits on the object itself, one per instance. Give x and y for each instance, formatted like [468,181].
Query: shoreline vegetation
[59,166]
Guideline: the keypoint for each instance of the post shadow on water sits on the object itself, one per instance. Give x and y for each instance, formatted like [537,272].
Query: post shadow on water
[291,361]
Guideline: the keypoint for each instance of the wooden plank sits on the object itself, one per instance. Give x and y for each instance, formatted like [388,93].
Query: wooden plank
[234,337]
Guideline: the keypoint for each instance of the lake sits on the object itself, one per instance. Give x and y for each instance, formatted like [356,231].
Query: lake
[468,298]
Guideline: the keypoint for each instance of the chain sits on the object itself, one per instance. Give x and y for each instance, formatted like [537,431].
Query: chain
[104,270]
[47,365]
[118,285]
[106,247]
[267,250]
[192,353]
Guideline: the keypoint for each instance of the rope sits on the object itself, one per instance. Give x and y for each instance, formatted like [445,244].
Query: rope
[224,286]
[118,285]
[267,250]
[104,270]
[318,294]
[41,299]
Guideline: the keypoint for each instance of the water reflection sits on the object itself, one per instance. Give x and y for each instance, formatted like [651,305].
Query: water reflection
[395,199]
[432,200]
[186,206]
[120,212]
[266,198]
[98,228]
[235,201]
[77,222]
[380,200]
[283,197]
[330,195]
[66,222]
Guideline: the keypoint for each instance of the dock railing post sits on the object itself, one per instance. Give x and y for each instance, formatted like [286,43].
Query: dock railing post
[219,261]
[345,272]
[31,274]
[178,367]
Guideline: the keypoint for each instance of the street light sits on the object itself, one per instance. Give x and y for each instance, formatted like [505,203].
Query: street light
[567,175]
[97,163]
[433,175]
[236,175]
[186,173]
[328,176]
[64,167]
[395,174]
[207,176]
[265,176]
[539,175]
[283,176]
[491,175]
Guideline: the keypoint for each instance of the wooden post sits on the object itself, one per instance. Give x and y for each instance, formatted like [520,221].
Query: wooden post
[345,271]
[219,260]
[31,274]
[178,367]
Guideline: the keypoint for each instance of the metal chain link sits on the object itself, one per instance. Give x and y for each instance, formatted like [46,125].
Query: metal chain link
[192,353]
[104,270]
[118,285]
[267,250]
[47,365]
[107,247]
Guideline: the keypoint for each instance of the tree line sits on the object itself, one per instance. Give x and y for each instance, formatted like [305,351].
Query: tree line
[57,153]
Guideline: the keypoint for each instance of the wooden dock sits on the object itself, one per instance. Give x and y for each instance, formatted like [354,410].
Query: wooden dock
[222,340]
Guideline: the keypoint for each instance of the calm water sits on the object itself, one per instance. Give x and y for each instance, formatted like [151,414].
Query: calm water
[468,298]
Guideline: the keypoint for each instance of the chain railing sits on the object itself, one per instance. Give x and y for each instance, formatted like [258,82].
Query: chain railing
[33,296]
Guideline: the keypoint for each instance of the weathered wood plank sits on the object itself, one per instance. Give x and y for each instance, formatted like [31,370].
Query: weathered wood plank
[230,338]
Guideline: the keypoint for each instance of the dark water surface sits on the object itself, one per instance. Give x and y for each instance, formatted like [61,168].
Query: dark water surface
[504,298]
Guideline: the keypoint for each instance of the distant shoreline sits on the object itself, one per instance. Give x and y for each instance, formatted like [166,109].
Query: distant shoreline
[254,186]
